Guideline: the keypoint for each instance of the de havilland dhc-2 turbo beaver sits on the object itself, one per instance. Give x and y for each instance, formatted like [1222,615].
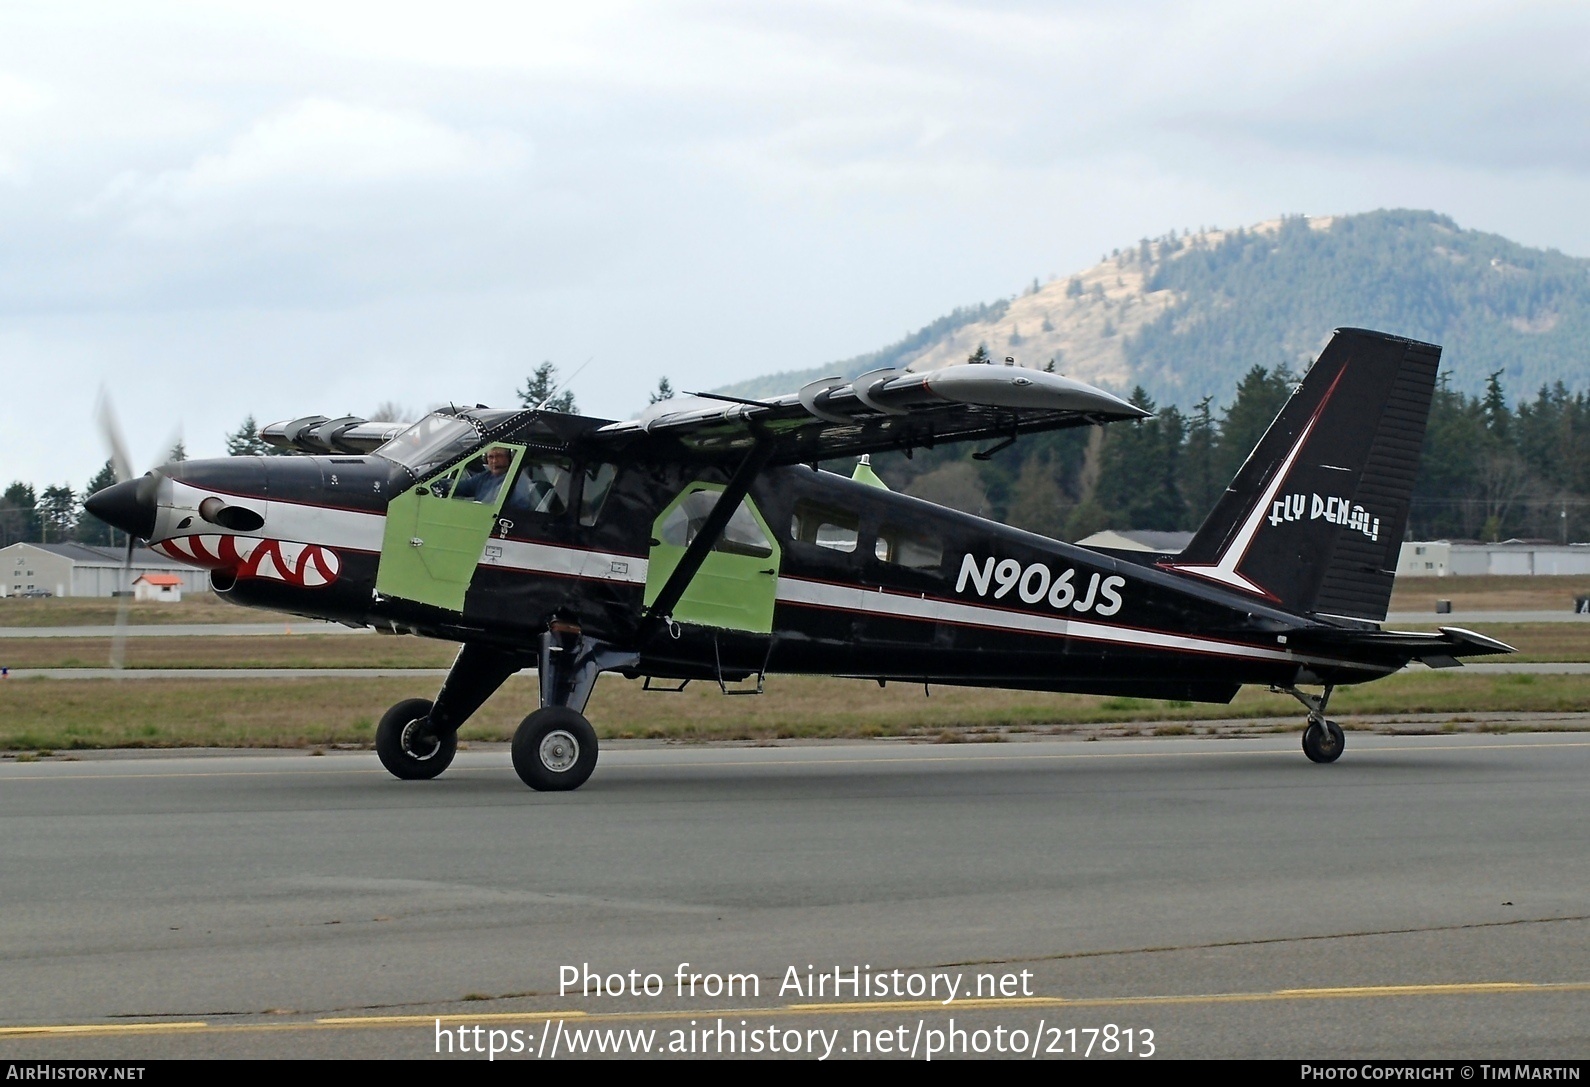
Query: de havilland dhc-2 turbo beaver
[702,542]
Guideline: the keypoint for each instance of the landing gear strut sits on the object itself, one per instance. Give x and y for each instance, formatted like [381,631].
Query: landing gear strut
[554,748]
[1323,741]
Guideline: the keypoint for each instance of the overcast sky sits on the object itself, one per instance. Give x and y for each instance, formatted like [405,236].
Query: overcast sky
[281,209]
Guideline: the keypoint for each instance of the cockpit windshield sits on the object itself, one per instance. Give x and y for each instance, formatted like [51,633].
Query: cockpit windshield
[433,441]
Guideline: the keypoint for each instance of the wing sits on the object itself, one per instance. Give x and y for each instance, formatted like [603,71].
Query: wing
[881,410]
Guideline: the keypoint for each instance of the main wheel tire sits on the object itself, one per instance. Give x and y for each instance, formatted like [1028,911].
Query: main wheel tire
[554,749]
[1323,743]
[408,748]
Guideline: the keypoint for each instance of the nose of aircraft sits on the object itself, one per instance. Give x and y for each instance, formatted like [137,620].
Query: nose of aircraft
[128,505]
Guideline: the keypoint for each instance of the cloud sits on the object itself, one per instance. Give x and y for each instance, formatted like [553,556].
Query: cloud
[22,104]
[317,156]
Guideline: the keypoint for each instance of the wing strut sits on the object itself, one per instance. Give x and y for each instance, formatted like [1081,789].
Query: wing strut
[711,531]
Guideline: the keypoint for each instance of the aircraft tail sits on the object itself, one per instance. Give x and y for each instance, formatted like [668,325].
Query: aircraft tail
[1314,520]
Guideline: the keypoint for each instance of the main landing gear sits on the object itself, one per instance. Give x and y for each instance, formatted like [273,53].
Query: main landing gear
[1323,741]
[554,748]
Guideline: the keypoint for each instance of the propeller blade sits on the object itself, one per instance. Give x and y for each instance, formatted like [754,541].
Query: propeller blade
[118,638]
[173,445]
[110,432]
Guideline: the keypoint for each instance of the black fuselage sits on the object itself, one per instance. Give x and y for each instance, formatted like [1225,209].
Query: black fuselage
[977,603]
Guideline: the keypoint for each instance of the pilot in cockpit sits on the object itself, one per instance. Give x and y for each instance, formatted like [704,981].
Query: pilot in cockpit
[541,487]
[485,486]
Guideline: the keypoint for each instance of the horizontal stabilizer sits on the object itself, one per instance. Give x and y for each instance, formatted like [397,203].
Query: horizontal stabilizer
[1440,650]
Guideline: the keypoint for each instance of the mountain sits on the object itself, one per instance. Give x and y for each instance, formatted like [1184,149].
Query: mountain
[1186,316]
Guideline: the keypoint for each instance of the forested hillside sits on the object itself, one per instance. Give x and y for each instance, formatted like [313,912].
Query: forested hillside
[1187,315]
[1211,328]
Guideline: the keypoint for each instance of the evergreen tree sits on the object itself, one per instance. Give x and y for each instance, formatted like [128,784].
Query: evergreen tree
[19,516]
[980,355]
[1494,407]
[246,441]
[1038,503]
[90,529]
[1199,486]
[178,454]
[540,386]
[57,513]
[1086,518]
[1259,399]
[1446,501]
[1138,472]
[664,391]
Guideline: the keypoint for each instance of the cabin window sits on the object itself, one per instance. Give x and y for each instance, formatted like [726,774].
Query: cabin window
[593,495]
[742,536]
[908,549]
[825,526]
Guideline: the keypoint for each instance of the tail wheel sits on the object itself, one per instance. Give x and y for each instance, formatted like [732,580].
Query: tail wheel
[408,746]
[554,749]
[1323,741]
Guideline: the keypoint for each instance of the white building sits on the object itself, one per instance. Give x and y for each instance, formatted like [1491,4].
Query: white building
[166,588]
[74,569]
[1442,558]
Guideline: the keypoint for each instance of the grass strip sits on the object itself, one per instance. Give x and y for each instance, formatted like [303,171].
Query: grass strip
[47,714]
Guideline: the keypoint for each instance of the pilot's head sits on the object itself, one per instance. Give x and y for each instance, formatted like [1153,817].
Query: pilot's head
[498,459]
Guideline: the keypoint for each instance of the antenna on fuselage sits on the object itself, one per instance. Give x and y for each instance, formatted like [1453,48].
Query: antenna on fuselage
[555,393]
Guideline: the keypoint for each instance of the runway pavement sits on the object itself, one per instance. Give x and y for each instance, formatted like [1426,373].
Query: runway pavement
[1424,896]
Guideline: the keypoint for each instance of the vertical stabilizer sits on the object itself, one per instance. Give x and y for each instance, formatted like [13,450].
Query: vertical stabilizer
[1314,520]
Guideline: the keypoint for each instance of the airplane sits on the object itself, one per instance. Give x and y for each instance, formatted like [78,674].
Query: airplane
[703,541]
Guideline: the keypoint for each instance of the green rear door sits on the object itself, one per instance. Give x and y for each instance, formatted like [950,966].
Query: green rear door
[737,584]
[435,534]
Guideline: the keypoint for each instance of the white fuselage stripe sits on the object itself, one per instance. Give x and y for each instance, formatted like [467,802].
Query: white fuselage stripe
[298,522]
[539,558]
[356,531]
[822,594]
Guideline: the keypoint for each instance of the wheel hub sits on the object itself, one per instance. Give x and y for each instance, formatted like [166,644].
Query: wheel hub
[559,751]
[419,743]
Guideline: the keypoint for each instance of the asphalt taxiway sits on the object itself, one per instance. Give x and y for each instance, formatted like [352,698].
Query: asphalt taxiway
[1425,896]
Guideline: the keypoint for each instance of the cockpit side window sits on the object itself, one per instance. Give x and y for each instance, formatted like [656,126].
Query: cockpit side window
[596,486]
[543,487]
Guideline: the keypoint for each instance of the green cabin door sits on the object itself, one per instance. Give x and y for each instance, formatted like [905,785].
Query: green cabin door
[737,584]
[435,534]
